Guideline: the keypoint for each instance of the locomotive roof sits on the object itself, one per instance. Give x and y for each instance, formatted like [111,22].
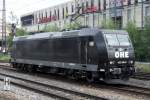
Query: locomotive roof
[73,33]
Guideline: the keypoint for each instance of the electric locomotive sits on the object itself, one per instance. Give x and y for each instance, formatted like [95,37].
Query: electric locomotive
[96,54]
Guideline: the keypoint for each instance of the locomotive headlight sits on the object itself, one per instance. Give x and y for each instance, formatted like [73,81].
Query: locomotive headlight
[131,62]
[112,62]
[122,62]
[119,62]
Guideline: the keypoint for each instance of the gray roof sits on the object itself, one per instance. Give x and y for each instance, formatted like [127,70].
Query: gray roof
[44,35]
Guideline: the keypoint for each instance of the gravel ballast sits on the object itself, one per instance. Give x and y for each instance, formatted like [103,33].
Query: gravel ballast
[17,93]
[107,93]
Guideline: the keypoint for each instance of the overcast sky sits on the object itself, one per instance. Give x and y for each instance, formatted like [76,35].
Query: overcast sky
[19,7]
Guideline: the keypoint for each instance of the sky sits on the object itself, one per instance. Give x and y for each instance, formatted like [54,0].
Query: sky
[20,7]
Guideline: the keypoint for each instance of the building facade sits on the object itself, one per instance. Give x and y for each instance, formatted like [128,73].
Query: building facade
[93,14]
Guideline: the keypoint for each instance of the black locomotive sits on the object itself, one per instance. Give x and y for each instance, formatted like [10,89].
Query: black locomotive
[97,54]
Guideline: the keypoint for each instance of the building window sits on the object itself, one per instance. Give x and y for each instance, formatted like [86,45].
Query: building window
[147,11]
[87,4]
[104,18]
[95,19]
[104,5]
[50,13]
[60,24]
[147,15]
[46,14]
[147,0]
[66,12]
[129,2]
[87,20]
[55,12]
[58,14]
[92,3]
[39,15]
[82,6]
[42,15]
[27,20]
[136,1]
[63,13]
[36,17]
[72,8]
[128,15]
[99,5]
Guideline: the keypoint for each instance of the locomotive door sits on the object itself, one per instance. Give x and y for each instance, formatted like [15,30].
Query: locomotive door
[83,51]
[86,52]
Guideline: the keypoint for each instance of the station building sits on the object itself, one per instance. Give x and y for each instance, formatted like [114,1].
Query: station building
[93,14]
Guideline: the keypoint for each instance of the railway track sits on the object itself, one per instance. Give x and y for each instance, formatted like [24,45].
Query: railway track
[132,89]
[123,88]
[141,76]
[50,90]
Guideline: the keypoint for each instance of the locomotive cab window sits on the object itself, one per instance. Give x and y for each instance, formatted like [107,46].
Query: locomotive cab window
[111,39]
[117,39]
[123,39]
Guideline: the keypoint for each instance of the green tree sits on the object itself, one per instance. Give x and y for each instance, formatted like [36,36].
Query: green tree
[72,26]
[135,36]
[109,24]
[9,42]
[19,32]
[51,28]
[146,38]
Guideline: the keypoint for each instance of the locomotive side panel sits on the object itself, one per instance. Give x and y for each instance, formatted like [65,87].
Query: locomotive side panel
[101,47]
[33,49]
[65,50]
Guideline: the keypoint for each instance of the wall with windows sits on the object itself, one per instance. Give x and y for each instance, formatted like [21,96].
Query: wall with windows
[94,13]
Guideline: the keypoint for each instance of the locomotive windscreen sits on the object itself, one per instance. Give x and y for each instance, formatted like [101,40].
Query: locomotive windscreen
[117,39]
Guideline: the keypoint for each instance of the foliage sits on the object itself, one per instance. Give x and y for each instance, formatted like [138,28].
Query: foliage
[19,32]
[4,57]
[135,36]
[72,26]
[51,28]
[109,24]
[146,39]
[9,42]
[140,67]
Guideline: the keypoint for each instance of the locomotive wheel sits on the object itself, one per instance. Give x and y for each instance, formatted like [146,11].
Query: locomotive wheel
[25,68]
[76,75]
[65,72]
[13,65]
[30,68]
[89,77]
[21,67]
[70,74]
[125,78]
[54,70]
